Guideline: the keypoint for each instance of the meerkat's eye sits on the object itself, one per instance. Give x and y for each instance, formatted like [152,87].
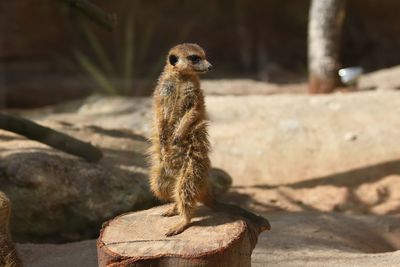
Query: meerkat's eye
[172,60]
[194,58]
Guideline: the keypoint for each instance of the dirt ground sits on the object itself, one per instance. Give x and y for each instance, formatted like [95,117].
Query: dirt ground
[324,169]
[297,239]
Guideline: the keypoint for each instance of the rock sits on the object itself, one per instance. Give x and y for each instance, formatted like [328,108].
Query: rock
[248,129]
[249,87]
[59,197]
[286,139]
[268,141]
[220,180]
[350,136]
[384,79]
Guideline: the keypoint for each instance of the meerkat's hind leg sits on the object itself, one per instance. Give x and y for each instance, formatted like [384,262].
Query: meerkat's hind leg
[161,184]
[186,195]
[173,211]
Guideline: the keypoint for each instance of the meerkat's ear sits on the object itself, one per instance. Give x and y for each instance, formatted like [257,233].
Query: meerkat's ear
[172,59]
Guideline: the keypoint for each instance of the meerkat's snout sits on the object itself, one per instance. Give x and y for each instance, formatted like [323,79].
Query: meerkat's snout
[210,66]
[203,67]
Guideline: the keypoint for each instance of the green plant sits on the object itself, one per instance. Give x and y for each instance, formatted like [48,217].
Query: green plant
[116,73]
[117,69]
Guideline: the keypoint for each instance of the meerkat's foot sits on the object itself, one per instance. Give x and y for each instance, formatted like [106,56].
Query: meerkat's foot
[177,229]
[173,211]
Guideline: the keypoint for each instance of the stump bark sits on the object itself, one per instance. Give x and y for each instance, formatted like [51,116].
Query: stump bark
[8,254]
[213,239]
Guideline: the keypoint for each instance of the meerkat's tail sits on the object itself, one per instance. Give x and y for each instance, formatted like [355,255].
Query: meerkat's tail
[261,223]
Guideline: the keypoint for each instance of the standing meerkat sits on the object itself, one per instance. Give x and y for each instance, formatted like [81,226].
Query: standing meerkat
[180,146]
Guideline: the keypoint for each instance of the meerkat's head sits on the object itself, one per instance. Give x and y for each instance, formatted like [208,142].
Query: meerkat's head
[188,59]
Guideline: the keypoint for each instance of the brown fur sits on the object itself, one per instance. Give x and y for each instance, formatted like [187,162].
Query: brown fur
[179,151]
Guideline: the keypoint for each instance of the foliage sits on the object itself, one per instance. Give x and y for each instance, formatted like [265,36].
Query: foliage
[115,73]
[118,68]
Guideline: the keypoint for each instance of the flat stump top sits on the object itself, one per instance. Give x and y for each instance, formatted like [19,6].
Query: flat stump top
[142,234]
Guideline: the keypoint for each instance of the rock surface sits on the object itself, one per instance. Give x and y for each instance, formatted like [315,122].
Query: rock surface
[287,152]
[62,197]
[250,87]
[384,79]
[314,135]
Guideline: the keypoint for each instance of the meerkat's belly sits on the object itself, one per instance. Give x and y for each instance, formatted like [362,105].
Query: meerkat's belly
[194,148]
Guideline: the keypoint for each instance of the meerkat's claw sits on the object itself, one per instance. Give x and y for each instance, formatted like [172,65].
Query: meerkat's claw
[177,229]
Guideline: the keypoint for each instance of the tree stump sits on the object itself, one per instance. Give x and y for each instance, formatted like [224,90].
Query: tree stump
[8,254]
[213,239]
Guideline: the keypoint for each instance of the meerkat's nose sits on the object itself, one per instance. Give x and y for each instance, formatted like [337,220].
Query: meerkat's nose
[210,67]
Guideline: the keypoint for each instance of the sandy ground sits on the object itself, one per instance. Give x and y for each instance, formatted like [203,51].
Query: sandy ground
[324,169]
[297,239]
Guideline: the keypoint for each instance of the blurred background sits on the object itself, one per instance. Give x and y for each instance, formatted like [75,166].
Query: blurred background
[48,44]
[303,104]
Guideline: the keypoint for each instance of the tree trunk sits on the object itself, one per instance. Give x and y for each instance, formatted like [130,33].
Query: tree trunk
[213,239]
[8,254]
[324,31]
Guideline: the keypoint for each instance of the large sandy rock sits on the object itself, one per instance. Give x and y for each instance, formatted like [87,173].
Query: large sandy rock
[338,145]
[291,149]
[291,138]
[249,87]
[277,139]
[384,79]
[62,197]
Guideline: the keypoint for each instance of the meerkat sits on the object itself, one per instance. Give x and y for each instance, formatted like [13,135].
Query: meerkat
[179,151]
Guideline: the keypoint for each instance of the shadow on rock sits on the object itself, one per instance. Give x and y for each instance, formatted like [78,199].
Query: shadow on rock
[58,197]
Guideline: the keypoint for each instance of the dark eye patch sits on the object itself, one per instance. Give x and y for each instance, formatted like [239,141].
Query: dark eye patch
[173,59]
[194,58]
